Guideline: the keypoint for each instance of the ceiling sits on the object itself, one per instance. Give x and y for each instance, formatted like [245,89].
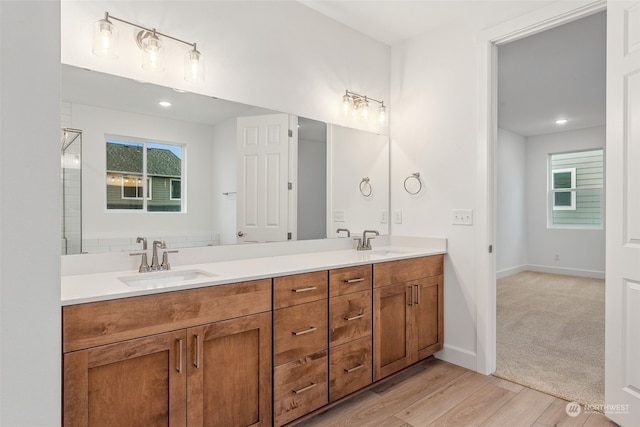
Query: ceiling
[392,21]
[559,73]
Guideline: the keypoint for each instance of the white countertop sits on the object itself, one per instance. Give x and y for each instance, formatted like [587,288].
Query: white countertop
[83,288]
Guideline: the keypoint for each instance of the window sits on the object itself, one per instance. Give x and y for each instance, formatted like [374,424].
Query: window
[576,185]
[564,200]
[135,168]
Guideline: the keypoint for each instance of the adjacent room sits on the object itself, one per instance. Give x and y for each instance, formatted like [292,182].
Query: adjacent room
[550,217]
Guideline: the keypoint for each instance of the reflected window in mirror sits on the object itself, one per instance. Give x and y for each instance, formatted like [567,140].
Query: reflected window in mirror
[136,168]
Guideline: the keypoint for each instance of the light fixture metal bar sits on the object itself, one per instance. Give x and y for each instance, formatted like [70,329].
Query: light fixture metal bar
[151,30]
[364,97]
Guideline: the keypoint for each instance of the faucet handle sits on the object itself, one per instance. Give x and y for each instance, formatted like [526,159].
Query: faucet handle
[359,240]
[165,259]
[142,240]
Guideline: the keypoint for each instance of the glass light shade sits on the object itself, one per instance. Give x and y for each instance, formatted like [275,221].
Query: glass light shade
[347,104]
[152,53]
[105,39]
[364,109]
[194,66]
[382,114]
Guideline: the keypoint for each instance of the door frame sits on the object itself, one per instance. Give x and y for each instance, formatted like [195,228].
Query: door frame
[487,127]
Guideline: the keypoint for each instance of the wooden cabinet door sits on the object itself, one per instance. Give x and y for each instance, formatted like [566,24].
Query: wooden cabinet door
[140,382]
[229,372]
[391,326]
[427,317]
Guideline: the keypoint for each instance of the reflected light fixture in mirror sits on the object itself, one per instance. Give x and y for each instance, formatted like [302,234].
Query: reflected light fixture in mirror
[360,105]
[105,45]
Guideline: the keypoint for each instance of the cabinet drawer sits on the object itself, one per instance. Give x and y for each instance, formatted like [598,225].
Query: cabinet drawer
[349,317]
[104,322]
[350,279]
[300,387]
[350,368]
[299,289]
[299,330]
[392,272]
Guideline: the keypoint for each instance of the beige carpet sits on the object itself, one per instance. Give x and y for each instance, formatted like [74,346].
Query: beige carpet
[550,334]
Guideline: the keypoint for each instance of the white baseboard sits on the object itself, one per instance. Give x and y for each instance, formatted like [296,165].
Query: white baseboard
[458,356]
[509,271]
[566,271]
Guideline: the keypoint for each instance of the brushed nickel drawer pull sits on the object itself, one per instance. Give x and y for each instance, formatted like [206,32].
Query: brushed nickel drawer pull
[310,288]
[417,294]
[196,362]
[179,367]
[411,296]
[357,316]
[303,389]
[360,279]
[355,368]
[306,331]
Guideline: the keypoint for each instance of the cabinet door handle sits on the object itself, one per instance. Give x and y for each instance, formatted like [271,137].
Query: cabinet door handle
[303,389]
[310,288]
[306,331]
[357,316]
[417,294]
[179,367]
[196,361]
[359,279]
[410,295]
[355,368]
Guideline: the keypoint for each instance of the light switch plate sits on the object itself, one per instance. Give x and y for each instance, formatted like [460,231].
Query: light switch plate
[339,216]
[462,217]
[397,217]
[384,217]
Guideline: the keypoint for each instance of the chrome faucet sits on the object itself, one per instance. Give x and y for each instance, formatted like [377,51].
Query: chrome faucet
[366,242]
[344,229]
[154,258]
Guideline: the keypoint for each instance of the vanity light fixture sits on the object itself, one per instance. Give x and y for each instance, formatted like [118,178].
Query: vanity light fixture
[105,44]
[360,104]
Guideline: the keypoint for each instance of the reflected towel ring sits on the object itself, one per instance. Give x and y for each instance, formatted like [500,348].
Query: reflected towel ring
[365,187]
[416,176]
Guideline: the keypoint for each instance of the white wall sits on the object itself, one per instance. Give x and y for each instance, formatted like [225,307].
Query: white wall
[273,54]
[30,209]
[511,243]
[581,251]
[98,223]
[433,87]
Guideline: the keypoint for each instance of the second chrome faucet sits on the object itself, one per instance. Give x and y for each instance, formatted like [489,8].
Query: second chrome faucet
[155,266]
[364,243]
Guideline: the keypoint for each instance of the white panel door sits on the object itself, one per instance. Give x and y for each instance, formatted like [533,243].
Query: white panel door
[622,370]
[263,172]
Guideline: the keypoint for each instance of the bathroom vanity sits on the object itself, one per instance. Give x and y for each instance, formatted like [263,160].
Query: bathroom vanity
[266,345]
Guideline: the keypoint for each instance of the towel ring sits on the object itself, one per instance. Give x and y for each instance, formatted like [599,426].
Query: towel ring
[365,187]
[416,176]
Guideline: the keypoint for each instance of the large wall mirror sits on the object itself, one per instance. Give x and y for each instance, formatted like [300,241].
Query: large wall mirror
[204,171]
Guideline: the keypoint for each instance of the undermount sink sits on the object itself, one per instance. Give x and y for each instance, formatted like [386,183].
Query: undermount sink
[164,278]
[386,252]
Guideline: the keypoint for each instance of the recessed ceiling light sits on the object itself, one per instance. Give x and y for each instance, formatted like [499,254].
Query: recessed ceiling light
[561,121]
[164,104]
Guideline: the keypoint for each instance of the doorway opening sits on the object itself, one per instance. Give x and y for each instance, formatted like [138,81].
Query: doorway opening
[549,210]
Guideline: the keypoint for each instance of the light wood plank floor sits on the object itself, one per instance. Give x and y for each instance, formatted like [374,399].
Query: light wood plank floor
[437,393]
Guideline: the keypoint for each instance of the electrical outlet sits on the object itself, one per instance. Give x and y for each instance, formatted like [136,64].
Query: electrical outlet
[462,217]
[339,216]
[397,217]
[384,217]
